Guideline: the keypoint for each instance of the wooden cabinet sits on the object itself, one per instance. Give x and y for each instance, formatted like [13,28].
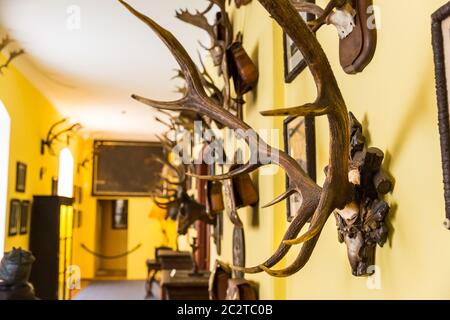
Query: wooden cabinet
[178,285]
[51,243]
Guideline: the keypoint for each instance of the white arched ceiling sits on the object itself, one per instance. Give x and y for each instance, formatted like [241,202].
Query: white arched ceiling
[89,72]
[5,128]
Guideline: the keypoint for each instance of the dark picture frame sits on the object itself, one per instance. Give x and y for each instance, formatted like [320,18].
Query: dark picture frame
[125,168]
[80,195]
[80,219]
[75,193]
[294,63]
[14,216]
[25,208]
[21,177]
[441,49]
[301,133]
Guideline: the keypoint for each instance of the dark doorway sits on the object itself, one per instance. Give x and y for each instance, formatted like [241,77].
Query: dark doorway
[112,238]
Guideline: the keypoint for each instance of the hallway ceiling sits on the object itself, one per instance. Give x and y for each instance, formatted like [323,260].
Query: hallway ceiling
[90,72]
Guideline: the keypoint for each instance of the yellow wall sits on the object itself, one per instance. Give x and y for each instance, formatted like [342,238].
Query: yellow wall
[141,230]
[395,99]
[31,117]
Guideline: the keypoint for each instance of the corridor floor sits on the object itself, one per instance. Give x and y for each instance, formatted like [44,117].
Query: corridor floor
[115,290]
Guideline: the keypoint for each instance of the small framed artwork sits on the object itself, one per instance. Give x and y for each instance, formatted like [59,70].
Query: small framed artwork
[21,177]
[80,195]
[441,48]
[294,63]
[75,194]
[14,216]
[80,219]
[25,207]
[300,143]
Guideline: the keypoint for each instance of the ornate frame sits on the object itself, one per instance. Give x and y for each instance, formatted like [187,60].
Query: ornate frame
[438,18]
[13,228]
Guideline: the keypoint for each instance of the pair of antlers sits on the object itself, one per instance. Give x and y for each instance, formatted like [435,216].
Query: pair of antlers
[318,203]
[12,55]
[53,136]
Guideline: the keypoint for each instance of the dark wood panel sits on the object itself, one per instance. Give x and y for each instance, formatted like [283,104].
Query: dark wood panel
[181,286]
[44,244]
[125,168]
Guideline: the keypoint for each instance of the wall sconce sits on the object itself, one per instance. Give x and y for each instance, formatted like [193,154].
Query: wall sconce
[56,136]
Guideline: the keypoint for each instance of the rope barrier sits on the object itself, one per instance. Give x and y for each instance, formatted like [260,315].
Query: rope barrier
[99,255]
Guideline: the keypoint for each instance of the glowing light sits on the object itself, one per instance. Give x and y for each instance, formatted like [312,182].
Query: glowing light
[5,127]
[65,175]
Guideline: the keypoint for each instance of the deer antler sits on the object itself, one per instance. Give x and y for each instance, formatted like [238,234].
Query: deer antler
[198,19]
[12,55]
[317,203]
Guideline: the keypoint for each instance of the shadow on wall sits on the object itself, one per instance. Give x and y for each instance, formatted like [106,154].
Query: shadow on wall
[416,108]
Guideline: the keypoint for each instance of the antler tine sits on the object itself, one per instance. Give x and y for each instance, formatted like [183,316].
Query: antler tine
[6,41]
[246,168]
[293,230]
[175,183]
[280,198]
[73,128]
[167,144]
[168,125]
[13,55]
[308,109]
[163,205]
[165,162]
[207,79]
[50,131]
[198,19]
[166,189]
[187,65]
[301,260]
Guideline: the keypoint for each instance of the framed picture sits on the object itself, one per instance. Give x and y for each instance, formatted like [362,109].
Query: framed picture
[126,168]
[294,63]
[21,176]
[300,143]
[80,219]
[80,195]
[14,215]
[25,207]
[77,194]
[120,214]
[441,48]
